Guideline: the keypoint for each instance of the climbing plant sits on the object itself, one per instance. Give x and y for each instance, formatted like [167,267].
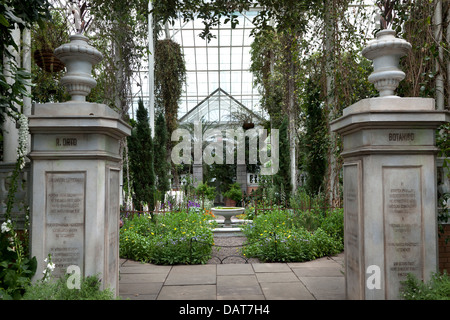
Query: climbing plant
[21,14]
[414,22]
[170,76]
[119,30]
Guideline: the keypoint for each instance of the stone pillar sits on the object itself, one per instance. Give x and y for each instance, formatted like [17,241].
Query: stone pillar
[76,176]
[390,186]
[197,174]
[241,176]
[389,193]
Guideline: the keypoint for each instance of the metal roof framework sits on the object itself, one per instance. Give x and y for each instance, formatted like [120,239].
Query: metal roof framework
[223,63]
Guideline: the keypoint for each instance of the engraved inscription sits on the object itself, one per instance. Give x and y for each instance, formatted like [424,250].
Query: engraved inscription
[66,142]
[402,214]
[409,136]
[65,211]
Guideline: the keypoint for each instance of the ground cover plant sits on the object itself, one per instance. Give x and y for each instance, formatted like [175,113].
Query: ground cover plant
[57,289]
[438,288]
[281,235]
[183,237]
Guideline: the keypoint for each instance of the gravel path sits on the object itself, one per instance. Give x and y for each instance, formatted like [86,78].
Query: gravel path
[226,250]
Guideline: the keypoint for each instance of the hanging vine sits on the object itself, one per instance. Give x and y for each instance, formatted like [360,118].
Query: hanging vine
[170,76]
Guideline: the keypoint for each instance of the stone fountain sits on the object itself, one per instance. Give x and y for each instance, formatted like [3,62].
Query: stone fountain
[227,213]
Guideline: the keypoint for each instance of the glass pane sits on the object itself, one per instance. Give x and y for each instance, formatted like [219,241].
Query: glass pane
[213,56]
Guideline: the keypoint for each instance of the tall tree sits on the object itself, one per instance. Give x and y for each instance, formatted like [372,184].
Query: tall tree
[281,179]
[315,139]
[275,64]
[162,167]
[141,154]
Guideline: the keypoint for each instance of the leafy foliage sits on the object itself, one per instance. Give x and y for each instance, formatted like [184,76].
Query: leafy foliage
[57,289]
[183,237]
[203,191]
[314,139]
[119,31]
[170,75]
[234,192]
[280,235]
[16,270]
[160,156]
[12,14]
[438,288]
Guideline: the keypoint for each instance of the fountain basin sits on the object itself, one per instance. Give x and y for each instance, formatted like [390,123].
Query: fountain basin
[227,213]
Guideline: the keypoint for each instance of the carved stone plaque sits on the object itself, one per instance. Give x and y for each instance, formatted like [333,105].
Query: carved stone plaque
[403,226]
[65,219]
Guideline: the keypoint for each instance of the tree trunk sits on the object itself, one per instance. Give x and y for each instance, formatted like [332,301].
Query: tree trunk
[440,58]
[332,181]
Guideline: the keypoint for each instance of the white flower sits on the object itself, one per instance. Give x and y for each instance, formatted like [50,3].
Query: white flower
[51,266]
[6,226]
[23,139]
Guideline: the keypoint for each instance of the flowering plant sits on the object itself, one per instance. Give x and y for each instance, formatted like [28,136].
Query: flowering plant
[174,238]
[49,268]
[16,268]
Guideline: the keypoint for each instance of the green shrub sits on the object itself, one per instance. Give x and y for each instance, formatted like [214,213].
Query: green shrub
[234,192]
[173,238]
[57,289]
[278,235]
[438,288]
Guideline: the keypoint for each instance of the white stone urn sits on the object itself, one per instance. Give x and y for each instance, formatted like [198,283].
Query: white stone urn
[386,51]
[79,57]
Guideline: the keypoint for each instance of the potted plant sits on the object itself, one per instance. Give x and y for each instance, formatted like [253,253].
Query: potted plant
[47,37]
[233,195]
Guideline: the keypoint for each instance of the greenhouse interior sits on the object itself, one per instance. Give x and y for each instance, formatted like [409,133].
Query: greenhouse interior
[156,131]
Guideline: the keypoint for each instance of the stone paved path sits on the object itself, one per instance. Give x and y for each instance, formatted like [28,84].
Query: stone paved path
[321,279]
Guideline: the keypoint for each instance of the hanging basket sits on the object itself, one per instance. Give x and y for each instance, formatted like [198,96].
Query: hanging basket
[47,61]
[248,125]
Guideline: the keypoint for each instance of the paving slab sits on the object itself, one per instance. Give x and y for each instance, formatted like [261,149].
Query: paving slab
[242,286]
[318,263]
[138,267]
[192,292]
[271,267]
[142,277]
[192,275]
[147,288]
[319,279]
[234,269]
[276,277]
[318,271]
[286,291]
[139,297]
[325,288]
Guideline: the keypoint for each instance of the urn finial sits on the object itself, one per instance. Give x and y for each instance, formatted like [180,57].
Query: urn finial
[79,57]
[385,52]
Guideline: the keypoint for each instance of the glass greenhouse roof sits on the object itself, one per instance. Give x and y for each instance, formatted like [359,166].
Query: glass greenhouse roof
[220,108]
[223,63]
